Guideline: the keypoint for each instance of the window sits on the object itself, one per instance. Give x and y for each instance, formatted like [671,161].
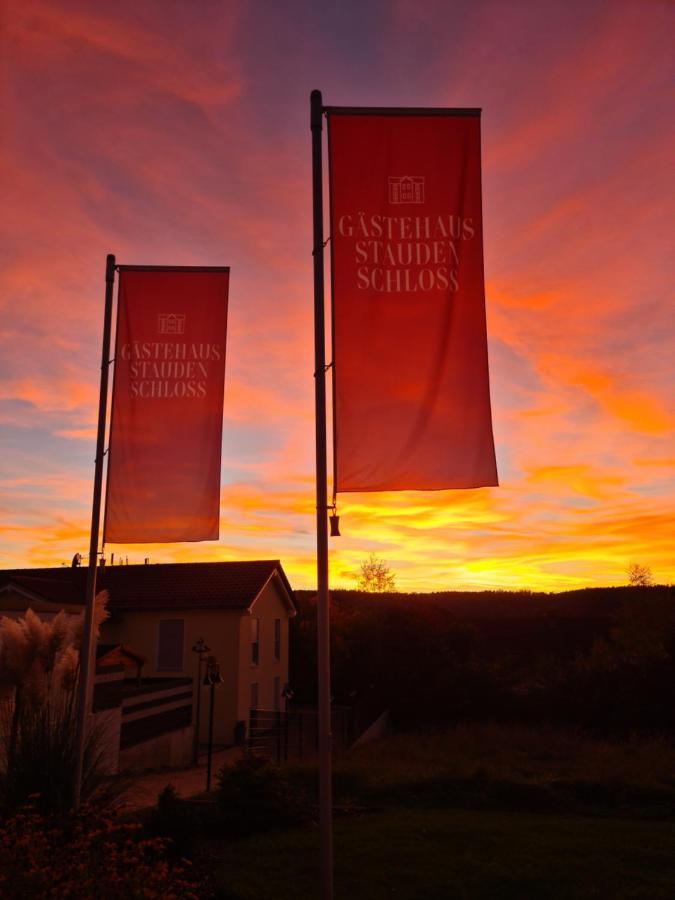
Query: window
[254,695]
[277,693]
[277,638]
[170,645]
[255,641]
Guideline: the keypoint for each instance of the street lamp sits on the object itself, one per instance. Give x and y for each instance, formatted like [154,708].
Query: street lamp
[212,677]
[287,695]
[201,650]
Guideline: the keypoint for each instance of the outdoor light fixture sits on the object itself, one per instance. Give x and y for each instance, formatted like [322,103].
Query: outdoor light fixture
[334,520]
[200,649]
[287,696]
[212,677]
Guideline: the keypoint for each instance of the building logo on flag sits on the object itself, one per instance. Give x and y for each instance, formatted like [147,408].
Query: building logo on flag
[406,189]
[170,323]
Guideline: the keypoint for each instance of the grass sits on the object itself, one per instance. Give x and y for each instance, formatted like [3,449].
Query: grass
[512,751]
[496,766]
[447,854]
[482,811]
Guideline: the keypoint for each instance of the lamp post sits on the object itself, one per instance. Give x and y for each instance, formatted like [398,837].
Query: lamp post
[212,677]
[201,650]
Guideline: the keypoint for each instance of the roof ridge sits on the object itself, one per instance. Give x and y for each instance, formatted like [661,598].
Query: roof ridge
[224,584]
[196,562]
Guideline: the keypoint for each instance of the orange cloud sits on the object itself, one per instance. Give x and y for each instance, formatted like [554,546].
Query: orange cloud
[643,411]
[579,478]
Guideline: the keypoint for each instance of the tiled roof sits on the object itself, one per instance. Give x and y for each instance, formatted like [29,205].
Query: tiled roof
[212,585]
[41,583]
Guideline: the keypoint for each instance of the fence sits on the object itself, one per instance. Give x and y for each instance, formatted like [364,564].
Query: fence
[154,707]
[294,734]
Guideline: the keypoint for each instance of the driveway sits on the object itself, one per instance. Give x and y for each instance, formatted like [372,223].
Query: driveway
[144,788]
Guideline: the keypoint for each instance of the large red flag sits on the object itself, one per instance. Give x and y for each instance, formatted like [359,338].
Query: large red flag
[167,408]
[411,388]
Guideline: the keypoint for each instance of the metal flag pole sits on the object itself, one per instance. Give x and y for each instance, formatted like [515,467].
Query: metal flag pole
[87,663]
[323,612]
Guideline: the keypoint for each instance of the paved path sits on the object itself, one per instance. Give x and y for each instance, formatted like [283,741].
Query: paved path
[143,790]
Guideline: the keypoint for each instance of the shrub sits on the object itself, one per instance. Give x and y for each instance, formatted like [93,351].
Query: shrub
[177,821]
[254,795]
[89,854]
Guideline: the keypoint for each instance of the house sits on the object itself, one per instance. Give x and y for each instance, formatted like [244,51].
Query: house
[159,612]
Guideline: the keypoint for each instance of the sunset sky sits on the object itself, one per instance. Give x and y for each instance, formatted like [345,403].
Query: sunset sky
[174,132]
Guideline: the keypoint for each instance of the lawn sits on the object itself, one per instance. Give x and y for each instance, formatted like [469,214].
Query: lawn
[441,854]
[480,811]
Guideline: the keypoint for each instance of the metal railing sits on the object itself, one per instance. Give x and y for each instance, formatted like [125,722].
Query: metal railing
[294,734]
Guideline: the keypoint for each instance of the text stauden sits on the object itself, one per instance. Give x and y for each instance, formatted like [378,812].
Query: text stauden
[406,254]
[169,369]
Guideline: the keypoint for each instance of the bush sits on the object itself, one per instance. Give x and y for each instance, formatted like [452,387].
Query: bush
[89,854]
[254,795]
[177,821]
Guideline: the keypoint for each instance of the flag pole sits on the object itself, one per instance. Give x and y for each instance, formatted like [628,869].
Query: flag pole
[323,612]
[87,662]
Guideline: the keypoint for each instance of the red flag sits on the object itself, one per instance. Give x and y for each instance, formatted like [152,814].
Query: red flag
[167,408]
[411,388]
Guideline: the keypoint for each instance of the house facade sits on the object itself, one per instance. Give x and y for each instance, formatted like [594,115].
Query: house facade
[240,610]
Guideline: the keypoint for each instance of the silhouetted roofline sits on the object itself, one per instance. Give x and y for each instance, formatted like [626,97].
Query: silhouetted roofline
[231,585]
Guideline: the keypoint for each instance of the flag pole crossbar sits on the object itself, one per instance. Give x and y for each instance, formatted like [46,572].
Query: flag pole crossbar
[400,111]
[172,268]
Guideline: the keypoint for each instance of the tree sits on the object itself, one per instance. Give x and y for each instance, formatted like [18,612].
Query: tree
[376,577]
[639,576]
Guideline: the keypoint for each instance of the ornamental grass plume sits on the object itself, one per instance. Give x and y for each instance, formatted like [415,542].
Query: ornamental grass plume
[100,615]
[14,652]
[31,647]
[39,669]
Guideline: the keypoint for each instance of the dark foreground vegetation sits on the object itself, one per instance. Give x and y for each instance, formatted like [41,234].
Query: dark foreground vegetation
[533,756]
[95,853]
[480,811]
[477,811]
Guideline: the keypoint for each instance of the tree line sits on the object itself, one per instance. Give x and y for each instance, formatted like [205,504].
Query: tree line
[599,659]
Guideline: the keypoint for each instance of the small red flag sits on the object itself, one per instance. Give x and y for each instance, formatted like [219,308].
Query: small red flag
[411,386]
[167,407]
